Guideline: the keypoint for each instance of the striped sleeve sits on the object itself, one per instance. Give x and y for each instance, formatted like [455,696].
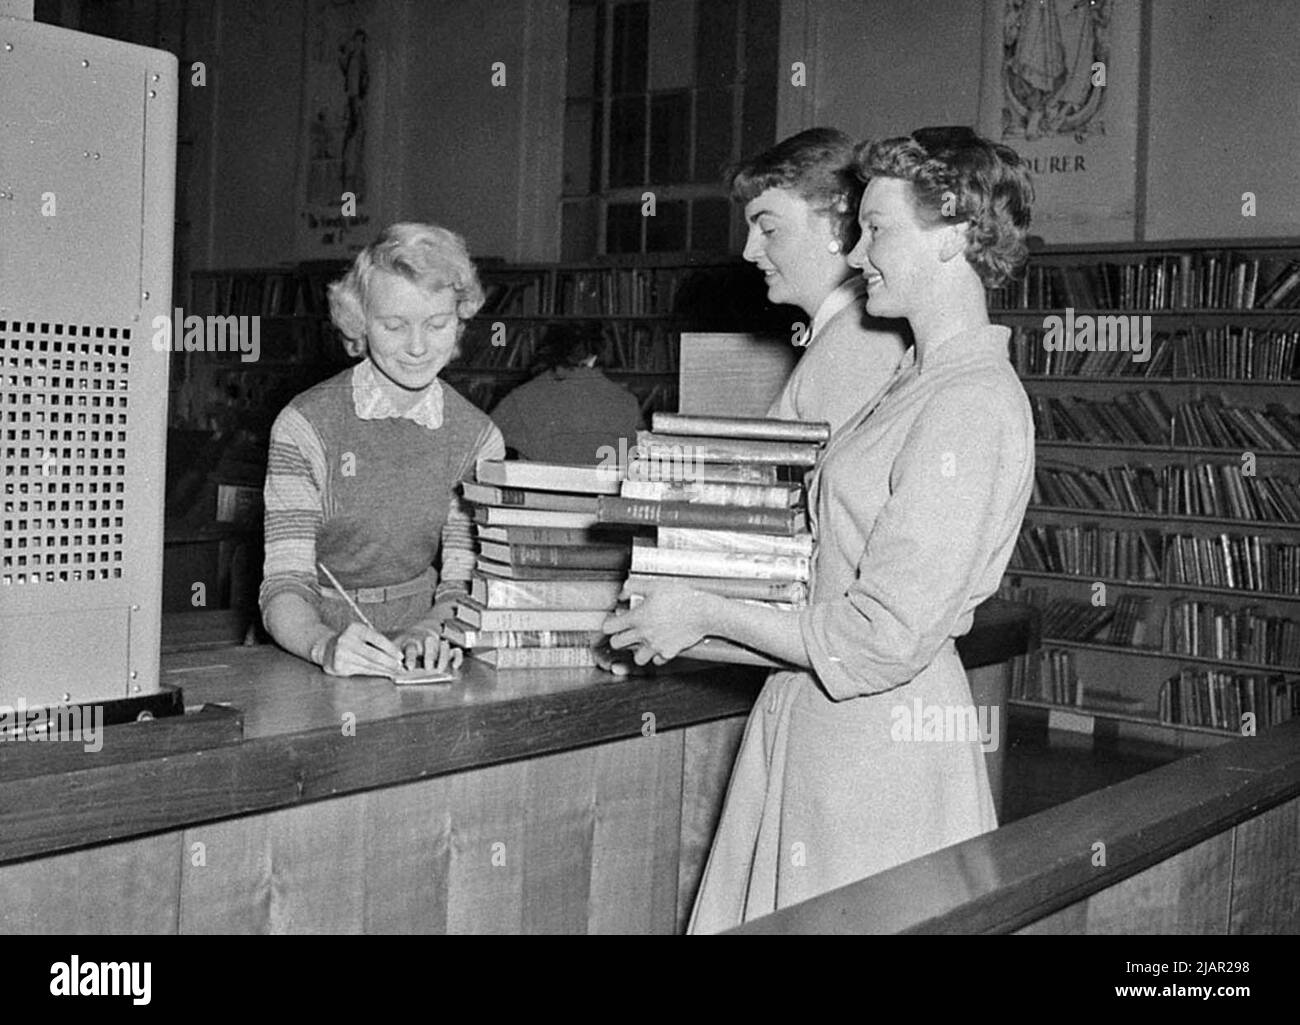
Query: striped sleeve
[458,548]
[294,500]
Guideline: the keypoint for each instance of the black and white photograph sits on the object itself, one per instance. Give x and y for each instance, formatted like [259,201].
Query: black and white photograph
[651,468]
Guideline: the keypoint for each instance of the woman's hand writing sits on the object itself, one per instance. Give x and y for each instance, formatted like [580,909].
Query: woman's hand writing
[358,651]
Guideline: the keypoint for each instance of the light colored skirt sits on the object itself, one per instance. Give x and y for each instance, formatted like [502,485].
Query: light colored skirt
[823,794]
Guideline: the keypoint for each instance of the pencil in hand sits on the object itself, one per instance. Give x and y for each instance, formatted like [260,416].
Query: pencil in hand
[357,662]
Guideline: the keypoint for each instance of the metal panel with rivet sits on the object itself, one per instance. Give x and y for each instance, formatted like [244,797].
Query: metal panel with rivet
[87,179]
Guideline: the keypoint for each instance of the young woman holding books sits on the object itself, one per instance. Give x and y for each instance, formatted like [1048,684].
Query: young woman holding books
[361,481]
[801,200]
[917,502]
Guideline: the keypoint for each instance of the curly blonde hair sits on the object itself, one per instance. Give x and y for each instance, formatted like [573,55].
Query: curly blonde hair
[983,183]
[426,255]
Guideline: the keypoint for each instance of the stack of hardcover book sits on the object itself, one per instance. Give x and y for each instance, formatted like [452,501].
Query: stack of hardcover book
[727,500]
[547,573]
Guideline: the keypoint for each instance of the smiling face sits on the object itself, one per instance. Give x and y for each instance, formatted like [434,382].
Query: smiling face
[898,252]
[789,242]
[411,333]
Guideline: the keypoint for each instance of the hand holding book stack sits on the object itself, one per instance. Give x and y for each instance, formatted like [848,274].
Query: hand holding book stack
[727,500]
[711,504]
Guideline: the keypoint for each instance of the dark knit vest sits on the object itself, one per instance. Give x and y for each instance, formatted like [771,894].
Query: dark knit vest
[388,483]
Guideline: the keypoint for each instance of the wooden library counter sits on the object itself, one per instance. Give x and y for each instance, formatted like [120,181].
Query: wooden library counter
[522,801]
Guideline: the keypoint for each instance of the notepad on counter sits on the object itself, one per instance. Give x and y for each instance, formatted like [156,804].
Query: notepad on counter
[421,676]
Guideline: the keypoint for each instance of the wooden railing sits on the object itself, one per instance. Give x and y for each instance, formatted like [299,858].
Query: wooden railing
[1207,844]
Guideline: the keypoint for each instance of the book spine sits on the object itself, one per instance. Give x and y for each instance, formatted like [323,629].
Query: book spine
[486,494]
[741,428]
[504,571]
[596,480]
[504,517]
[734,541]
[694,449]
[563,536]
[471,638]
[646,559]
[686,514]
[670,471]
[518,498]
[792,591]
[537,658]
[564,556]
[745,495]
[531,619]
[544,594]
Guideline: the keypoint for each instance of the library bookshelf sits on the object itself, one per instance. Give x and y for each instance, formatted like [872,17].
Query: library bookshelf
[1163,537]
[638,306]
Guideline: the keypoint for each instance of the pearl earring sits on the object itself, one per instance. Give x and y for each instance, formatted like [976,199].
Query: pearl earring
[832,246]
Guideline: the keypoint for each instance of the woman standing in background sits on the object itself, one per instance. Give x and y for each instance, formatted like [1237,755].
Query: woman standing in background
[918,500]
[801,202]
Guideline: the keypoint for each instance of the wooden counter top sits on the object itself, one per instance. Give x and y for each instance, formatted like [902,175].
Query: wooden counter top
[308,736]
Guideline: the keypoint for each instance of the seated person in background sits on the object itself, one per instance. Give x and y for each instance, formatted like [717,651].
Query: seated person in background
[570,410]
[801,204]
[363,468]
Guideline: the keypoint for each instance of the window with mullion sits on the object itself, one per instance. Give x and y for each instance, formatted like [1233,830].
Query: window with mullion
[663,108]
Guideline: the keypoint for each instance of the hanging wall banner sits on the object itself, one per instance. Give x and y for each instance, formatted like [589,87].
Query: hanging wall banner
[341,104]
[1061,88]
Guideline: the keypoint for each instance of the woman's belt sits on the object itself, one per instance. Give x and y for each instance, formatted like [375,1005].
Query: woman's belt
[423,584]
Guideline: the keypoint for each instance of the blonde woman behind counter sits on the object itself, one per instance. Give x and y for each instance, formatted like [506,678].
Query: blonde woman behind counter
[363,467]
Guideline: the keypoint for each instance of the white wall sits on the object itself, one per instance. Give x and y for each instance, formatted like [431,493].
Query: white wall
[1224,118]
[482,160]
[878,68]
[254,74]
[1222,112]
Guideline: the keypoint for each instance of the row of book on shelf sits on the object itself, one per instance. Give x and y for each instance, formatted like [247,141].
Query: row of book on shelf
[1231,561]
[1189,626]
[1193,696]
[626,346]
[1202,280]
[1208,279]
[510,291]
[1143,418]
[629,291]
[1229,352]
[716,502]
[1215,490]
[279,292]
[596,291]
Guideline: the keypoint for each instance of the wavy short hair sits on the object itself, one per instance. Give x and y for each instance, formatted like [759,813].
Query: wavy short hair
[817,165]
[426,255]
[989,183]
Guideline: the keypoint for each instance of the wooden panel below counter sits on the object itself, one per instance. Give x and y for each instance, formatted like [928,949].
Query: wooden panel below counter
[582,841]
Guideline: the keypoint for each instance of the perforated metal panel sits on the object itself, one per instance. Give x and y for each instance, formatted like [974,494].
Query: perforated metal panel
[63,423]
[87,170]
